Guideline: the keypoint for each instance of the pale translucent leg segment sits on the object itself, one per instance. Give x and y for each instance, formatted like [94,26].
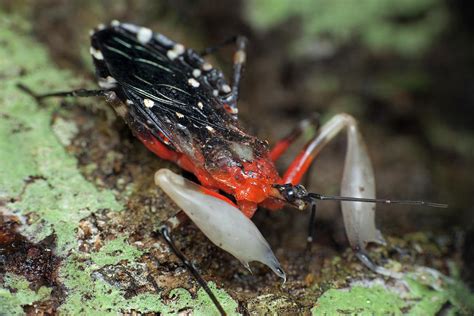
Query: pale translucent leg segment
[222,222]
[357,181]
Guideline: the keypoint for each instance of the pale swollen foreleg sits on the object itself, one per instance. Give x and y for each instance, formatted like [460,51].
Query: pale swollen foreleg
[220,220]
[358,181]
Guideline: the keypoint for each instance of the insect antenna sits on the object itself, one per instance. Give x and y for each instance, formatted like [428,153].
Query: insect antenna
[312,197]
[316,196]
[165,232]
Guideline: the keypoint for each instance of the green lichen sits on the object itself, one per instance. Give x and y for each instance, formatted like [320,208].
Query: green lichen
[115,251]
[431,288]
[44,183]
[16,293]
[359,300]
[35,170]
[423,293]
[91,295]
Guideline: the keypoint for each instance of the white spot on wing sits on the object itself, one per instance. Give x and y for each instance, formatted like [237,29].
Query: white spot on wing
[171,54]
[179,115]
[177,50]
[209,128]
[193,82]
[226,88]
[101,26]
[97,54]
[200,105]
[115,23]
[144,35]
[148,103]
[206,66]
[215,92]
[196,73]
[129,102]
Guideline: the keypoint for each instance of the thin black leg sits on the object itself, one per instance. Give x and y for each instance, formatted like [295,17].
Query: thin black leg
[213,49]
[240,57]
[311,224]
[165,232]
[72,93]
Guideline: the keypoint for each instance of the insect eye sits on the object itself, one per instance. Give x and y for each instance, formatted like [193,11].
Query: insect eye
[290,195]
[287,191]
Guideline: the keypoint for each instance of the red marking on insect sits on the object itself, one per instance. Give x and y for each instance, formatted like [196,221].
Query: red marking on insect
[216,195]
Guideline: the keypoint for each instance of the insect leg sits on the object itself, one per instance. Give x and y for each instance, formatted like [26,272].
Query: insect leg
[165,232]
[72,93]
[210,50]
[358,181]
[220,220]
[311,224]
[358,178]
[308,125]
[240,57]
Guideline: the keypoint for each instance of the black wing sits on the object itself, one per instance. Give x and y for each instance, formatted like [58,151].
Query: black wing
[172,90]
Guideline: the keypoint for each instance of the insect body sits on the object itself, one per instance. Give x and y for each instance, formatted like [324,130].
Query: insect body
[182,109]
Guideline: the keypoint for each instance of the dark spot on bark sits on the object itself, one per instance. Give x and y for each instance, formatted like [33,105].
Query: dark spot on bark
[36,262]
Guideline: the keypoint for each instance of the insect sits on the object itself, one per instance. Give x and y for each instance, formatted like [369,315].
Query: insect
[183,110]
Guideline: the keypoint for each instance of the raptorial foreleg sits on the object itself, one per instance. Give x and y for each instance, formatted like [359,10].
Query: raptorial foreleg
[220,220]
[358,178]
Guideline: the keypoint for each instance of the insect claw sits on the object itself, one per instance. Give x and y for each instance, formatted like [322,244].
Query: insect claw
[282,275]
[247,266]
[365,259]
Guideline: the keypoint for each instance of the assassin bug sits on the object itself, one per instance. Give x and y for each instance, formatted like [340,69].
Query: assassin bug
[183,110]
